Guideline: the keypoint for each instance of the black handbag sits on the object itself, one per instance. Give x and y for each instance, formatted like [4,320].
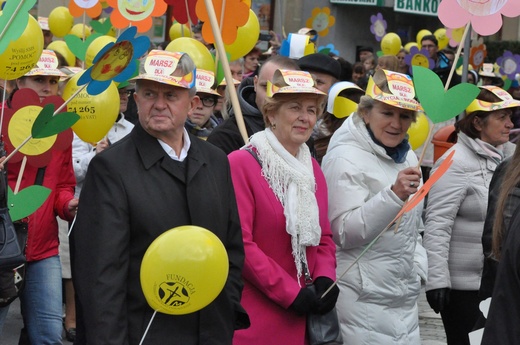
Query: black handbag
[322,329]
[12,253]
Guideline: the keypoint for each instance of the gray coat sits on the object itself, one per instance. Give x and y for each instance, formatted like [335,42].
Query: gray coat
[455,215]
[134,192]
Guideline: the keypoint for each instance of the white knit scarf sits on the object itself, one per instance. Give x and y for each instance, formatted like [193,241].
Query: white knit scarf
[292,181]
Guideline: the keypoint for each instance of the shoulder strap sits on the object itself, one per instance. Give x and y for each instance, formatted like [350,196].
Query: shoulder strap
[39,176]
[253,153]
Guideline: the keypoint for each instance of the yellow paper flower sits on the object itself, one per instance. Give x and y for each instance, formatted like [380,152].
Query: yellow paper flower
[321,20]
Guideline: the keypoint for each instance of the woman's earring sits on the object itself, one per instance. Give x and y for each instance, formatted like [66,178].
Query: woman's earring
[273,126]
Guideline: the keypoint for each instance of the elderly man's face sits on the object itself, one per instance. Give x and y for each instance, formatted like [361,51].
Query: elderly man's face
[163,108]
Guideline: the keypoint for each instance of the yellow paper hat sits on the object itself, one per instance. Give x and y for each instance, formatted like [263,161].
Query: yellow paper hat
[160,65]
[401,87]
[46,65]
[205,82]
[340,106]
[289,81]
[506,101]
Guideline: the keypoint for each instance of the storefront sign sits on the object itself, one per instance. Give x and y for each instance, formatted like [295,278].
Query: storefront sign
[359,2]
[424,7]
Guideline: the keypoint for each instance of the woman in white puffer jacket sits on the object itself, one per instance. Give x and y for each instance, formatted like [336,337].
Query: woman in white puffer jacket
[370,172]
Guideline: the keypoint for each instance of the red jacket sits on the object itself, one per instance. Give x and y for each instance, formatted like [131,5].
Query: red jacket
[42,239]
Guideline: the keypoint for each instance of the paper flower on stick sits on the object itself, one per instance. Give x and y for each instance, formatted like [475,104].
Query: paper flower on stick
[116,61]
[138,13]
[477,53]
[419,58]
[13,21]
[485,16]
[321,20]
[91,7]
[236,14]
[184,10]
[19,121]
[509,64]
[378,27]
[329,48]
[439,104]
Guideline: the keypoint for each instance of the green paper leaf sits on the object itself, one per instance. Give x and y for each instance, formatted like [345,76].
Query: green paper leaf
[77,46]
[460,61]
[26,201]
[325,51]
[18,22]
[101,27]
[380,53]
[220,70]
[46,124]
[440,105]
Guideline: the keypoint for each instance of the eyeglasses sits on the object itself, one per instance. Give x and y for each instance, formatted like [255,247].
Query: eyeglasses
[208,101]
[428,46]
[126,93]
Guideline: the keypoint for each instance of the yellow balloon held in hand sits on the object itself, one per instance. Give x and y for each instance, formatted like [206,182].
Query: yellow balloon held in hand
[184,270]
[21,55]
[60,21]
[443,40]
[418,131]
[178,30]
[98,113]
[391,44]
[95,47]
[420,35]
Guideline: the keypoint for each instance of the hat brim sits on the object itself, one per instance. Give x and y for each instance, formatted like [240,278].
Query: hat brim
[208,91]
[52,72]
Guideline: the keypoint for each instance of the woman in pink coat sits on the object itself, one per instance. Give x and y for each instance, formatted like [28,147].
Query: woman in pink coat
[282,201]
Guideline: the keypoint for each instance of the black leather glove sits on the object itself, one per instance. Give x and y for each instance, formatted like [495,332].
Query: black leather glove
[325,304]
[438,299]
[304,302]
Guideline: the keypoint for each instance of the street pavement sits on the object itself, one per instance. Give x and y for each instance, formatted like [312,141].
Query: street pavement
[432,331]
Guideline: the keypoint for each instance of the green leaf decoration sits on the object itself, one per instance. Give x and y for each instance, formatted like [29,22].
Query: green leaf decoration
[77,46]
[13,21]
[507,84]
[380,53]
[440,105]
[460,61]
[220,70]
[101,27]
[26,201]
[46,124]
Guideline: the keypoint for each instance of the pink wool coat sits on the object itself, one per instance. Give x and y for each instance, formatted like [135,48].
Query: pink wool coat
[269,270]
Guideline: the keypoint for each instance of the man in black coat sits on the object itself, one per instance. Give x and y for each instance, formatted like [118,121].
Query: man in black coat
[157,178]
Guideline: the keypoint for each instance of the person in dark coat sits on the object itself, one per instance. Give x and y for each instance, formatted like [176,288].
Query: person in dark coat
[157,178]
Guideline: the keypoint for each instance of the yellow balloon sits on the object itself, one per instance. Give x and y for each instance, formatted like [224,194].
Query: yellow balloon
[391,44]
[421,34]
[443,40]
[81,31]
[418,131]
[97,113]
[247,36]
[62,48]
[196,50]
[60,21]
[247,2]
[179,30]
[95,47]
[21,55]
[409,46]
[184,270]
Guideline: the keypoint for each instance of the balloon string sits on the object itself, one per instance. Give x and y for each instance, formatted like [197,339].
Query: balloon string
[72,224]
[57,111]
[189,15]
[20,4]
[359,257]
[20,174]
[3,108]
[147,327]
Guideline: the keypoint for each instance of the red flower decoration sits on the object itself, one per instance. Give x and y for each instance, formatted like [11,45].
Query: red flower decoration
[182,9]
[236,14]
[29,98]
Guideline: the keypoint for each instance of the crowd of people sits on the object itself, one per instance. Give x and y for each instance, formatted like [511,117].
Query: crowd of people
[326,168]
